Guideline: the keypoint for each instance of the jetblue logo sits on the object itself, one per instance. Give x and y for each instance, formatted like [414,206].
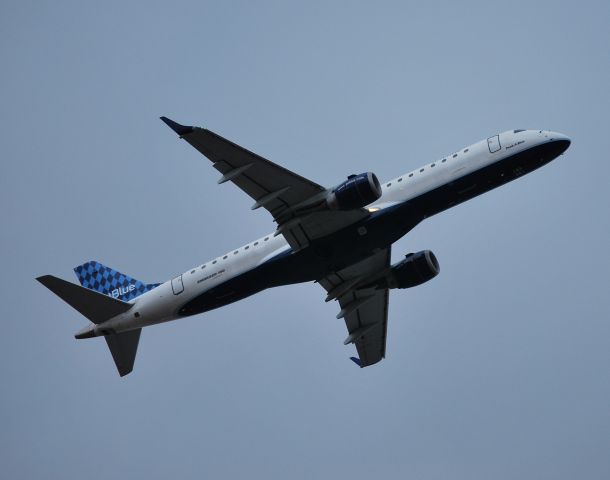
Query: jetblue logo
[117,292]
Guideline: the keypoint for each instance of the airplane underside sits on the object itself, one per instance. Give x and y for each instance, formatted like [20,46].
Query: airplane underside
[361,240]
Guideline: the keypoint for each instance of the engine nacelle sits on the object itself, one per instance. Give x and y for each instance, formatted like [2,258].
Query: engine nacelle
[356,192]
[415,269]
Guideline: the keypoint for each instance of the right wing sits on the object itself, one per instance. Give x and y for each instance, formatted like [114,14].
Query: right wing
[289,197]
[365,309]
[270,185]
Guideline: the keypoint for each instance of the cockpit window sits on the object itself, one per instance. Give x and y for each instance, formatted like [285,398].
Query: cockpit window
[517,131]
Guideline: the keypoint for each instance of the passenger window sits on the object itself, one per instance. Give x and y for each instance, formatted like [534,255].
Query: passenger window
[388,184]
[266,238]
[400,179]
[202,267]
[410,174]
[225,257]
[433,165]
[421,170]
[235,252]
[454,155]
[214,261]
[255,243]
[465,150]
[444,160]
[192,271]
[246,247]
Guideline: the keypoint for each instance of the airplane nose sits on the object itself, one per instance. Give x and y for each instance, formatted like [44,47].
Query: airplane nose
[559,136]
[560,141]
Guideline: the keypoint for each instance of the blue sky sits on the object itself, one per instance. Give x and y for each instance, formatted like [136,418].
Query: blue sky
[498,368]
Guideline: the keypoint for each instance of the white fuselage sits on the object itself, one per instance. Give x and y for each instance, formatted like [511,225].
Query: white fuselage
[163,302]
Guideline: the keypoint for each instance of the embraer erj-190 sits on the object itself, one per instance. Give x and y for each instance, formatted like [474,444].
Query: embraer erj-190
[339,237]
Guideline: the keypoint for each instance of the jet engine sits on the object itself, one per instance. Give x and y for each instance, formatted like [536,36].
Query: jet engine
[356,192]
[415,269]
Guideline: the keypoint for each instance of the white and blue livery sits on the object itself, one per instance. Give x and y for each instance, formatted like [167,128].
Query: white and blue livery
[339,237]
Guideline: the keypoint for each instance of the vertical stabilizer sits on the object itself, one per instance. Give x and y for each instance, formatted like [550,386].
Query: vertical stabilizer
[95,276]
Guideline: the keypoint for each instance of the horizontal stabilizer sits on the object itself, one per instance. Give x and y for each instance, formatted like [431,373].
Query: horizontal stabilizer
[97,307]
[124,347]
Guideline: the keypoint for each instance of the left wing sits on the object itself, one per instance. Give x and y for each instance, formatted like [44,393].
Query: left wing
[364,308]
[290,198]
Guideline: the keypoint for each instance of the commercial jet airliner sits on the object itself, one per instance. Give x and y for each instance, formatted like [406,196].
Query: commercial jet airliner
[339,237]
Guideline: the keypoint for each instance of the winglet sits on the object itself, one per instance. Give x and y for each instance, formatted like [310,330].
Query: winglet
[356,360]
[176,127]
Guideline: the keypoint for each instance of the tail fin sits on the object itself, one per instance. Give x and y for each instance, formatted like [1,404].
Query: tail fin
[95,276]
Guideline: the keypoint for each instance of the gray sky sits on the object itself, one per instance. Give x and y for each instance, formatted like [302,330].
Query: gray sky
[498,368]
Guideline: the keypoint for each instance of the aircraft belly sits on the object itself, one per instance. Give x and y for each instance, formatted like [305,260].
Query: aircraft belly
[360,240]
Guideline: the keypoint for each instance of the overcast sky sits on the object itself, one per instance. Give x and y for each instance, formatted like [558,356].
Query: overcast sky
[498,368]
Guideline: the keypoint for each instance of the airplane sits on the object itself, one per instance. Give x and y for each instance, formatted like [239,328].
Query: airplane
[340,237]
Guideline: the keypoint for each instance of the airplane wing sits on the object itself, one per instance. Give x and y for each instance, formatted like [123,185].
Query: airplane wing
[271,186]
[365,310]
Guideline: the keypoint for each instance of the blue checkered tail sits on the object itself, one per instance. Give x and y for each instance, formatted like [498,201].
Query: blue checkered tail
[98,277]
